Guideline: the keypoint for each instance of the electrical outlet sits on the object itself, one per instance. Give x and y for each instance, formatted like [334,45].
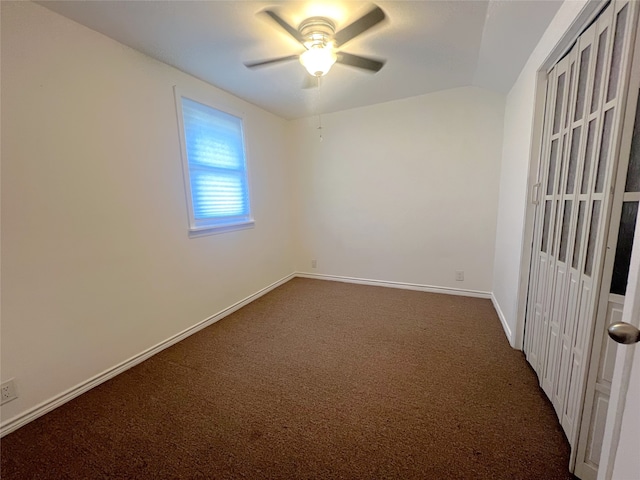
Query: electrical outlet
[8,391]
[314,263]
[459,276]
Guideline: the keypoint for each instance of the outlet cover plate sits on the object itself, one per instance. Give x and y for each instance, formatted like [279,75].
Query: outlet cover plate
[8,391]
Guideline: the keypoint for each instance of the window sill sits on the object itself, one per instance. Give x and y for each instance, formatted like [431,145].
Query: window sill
[203,231]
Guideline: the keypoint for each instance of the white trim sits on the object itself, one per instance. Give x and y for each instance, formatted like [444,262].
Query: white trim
[503,321]
[54,402]
[402,285]
[58,400]
[214,230]
[528,226]
[589,12]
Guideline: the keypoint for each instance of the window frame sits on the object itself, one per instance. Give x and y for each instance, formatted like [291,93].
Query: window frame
[210,226]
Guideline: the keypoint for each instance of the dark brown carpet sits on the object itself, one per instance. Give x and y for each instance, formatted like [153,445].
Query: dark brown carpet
[315,380]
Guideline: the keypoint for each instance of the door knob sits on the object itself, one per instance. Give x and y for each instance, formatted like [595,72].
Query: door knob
[623,332]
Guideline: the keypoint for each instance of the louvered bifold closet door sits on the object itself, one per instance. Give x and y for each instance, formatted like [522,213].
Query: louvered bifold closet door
[540,290]
[576,173]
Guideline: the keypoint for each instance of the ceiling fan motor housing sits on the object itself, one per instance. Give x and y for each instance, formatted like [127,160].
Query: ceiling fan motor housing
[318,35]
[317,31]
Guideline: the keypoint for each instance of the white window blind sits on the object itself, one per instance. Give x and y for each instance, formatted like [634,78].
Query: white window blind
[215,167]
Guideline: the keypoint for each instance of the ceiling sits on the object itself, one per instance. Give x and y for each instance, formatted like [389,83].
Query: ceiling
[428,45]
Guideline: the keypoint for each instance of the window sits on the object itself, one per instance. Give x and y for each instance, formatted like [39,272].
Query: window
[214,166]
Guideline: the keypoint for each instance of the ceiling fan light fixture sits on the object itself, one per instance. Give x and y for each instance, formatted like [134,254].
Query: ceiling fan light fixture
[319,37]
[318,60]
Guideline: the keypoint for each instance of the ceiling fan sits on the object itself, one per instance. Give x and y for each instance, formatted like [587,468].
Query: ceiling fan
[322,43]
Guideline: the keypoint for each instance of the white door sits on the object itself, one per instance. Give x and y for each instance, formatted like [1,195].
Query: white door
[602,392]
[585,106]
[620,458]
[627,460]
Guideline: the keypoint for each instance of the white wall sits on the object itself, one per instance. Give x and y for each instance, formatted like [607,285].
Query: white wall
[96,262]
[404,191]
[516,149]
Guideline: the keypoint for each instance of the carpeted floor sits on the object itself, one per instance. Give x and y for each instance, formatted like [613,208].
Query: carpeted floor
[317,380]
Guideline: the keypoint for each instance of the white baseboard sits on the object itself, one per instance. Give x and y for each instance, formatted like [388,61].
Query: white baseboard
[48,405]
[403,285]
[503,321]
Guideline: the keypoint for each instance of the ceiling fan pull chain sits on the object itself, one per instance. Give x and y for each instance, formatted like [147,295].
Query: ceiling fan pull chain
[318,109]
